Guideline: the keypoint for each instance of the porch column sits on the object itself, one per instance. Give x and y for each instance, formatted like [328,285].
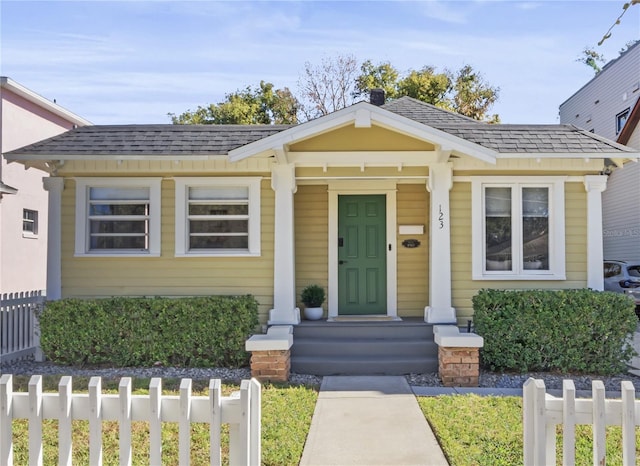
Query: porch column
[54,237]
[595,185]
[439,310]
[284,312]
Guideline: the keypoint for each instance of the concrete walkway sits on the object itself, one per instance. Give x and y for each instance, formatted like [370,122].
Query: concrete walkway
[369,420]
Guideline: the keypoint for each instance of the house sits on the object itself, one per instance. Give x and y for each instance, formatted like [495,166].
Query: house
[400,210]
[609,105]
[25,117]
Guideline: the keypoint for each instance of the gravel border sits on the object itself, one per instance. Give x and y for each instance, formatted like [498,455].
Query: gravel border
[487,379]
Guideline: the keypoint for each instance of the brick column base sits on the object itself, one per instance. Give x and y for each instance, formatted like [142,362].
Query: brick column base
[271,365]
[459,367]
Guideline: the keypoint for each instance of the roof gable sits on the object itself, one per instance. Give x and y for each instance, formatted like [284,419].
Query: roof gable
[349,138]
[363,115]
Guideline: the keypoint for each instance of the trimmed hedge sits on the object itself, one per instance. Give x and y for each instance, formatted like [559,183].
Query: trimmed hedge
[187,332]
[567,330]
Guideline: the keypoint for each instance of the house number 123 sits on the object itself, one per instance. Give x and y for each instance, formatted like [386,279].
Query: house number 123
[440,216]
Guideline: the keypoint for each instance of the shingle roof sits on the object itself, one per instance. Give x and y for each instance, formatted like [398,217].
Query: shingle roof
[199,140]
[506,138]
[152,140]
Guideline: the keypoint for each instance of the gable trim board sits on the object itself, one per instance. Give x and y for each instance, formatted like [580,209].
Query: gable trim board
[178,158]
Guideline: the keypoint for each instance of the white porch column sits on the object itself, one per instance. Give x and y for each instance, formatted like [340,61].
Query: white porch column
[595,185]
[54,237]
[284,312]
[440,310]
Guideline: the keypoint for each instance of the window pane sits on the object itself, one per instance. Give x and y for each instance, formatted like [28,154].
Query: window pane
[498,228]
[218,226]
[118,242]
[535,228]
[30,221]
[119,209]
[228,192]
[104,194]
[498,202]
[215,209]
[109,226]
[219,242]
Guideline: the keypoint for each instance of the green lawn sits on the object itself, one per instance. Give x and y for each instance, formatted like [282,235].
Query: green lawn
[487,431]
[472,430]
[286,417]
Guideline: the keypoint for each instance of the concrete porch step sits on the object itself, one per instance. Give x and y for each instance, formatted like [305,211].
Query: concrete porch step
[363,365]
[364,348]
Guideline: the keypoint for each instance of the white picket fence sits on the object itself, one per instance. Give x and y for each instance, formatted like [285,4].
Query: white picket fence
[19,331]
[241,411]
[542,412]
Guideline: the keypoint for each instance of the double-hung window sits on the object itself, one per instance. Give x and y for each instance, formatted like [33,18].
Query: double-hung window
[119,216]
[518,228]
[218,216]
[29,223]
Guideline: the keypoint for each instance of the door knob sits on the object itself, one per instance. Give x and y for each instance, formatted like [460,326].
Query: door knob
[342,262]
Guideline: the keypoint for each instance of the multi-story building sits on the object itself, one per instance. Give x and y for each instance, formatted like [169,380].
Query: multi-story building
[25,118]
[609,105]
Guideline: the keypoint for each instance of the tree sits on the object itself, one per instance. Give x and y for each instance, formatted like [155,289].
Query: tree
[336,84]
[250,106]
[426,85]
[329,86]
[383,76]
[591,58]
[473,96]
[465,92]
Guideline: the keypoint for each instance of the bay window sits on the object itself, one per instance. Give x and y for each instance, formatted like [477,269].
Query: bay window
[518,228]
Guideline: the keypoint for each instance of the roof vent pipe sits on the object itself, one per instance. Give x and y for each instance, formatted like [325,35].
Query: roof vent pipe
[376,96]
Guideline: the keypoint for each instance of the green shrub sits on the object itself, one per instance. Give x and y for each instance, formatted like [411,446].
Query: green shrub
[190,332]
[566,330]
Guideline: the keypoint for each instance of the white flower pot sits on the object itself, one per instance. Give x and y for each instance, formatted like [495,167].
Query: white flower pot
[313,313]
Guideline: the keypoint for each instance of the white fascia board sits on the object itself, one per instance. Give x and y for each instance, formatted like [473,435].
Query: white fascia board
[372,114]
[299,133]
[28,94]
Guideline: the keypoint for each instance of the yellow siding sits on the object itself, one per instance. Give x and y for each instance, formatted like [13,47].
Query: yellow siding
[312,236]
[464,288]
[467,166]
[218,166]
[350,138]
[167,275]
[413,263]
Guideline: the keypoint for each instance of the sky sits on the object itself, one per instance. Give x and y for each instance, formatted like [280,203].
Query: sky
[133,62]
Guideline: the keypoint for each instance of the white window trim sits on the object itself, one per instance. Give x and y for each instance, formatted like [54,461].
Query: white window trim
[30,234]
[557,267]
[82,224]
[182,239]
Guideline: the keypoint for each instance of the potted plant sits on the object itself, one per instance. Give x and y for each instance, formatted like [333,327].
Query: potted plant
[313,297]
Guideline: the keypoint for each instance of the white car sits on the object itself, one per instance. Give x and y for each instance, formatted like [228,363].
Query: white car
[623,277]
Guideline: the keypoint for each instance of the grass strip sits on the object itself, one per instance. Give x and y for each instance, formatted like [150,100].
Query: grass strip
[487,431]
[286,418]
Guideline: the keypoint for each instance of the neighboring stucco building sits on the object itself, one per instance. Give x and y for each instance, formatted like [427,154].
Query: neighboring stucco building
[25,117]
[609,105]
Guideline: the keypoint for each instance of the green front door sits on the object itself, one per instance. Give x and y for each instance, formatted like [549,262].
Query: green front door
[362,258]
